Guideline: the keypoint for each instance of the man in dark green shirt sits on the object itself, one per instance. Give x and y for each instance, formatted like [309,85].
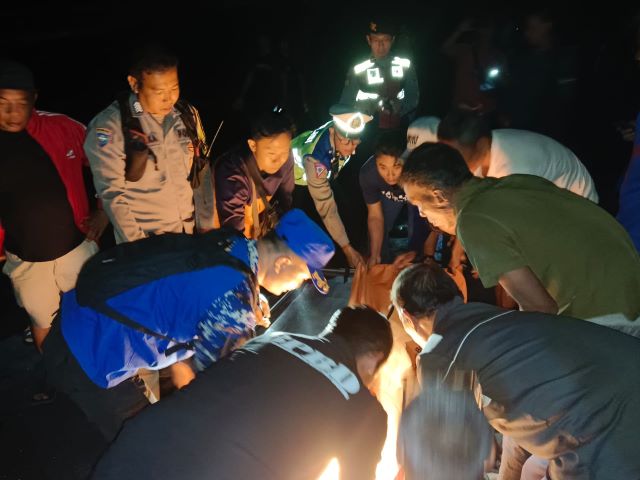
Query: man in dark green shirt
[551,250]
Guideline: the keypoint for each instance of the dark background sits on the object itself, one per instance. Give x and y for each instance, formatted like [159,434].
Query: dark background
[79,52]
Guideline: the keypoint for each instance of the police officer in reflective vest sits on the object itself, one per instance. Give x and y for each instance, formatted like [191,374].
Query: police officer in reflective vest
[319,156]
[383,85]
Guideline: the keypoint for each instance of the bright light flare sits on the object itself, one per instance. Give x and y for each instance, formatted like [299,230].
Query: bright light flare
[395,386]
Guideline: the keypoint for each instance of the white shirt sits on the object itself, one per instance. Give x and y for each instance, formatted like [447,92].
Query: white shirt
[521,151]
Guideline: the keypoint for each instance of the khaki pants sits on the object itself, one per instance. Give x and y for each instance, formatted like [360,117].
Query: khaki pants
[38,285]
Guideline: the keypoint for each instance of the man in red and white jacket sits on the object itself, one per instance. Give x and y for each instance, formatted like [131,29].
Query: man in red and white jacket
[44,209]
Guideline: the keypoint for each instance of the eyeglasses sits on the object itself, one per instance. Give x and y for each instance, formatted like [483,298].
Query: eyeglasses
[347,141]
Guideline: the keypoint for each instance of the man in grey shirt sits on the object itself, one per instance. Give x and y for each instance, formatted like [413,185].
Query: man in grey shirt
[145,150]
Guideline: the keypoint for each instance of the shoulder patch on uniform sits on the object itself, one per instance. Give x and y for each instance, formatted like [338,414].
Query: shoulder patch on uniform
[320,169]
[103,136]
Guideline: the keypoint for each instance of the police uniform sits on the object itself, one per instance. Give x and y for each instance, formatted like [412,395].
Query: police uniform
[386,88]
[316,164]
[162,200]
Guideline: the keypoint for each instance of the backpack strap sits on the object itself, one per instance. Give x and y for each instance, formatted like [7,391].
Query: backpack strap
[193,125]
[270,215]
[226,259]
[136,149]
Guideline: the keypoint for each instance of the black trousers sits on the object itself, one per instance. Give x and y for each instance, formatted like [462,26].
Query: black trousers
[106,408]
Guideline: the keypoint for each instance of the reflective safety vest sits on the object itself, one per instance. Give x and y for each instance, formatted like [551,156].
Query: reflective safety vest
[380,82]
[252,213]
[316,144]
[257,212]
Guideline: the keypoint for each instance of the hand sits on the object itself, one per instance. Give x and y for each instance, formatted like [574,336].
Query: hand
[458,257]
[264,313]
[95,224]
[404,260]
[457,262]
[353,257]
[373,261]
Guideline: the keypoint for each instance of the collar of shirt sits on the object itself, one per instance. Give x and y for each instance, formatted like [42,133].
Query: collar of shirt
[138,111]
[469,190]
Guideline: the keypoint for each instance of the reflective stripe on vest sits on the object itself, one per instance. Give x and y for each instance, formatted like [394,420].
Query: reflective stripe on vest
[303,145]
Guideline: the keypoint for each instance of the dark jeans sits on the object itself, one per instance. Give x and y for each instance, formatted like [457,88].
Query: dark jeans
[417,228]
[106,408]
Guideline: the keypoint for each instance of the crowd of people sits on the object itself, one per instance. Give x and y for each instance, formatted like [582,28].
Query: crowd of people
[140,257]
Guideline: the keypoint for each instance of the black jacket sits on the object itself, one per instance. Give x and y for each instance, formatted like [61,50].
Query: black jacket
[267,412]
[558,386]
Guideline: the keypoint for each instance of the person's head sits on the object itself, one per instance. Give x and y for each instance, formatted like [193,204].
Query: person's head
[367,334]
[380,39]
[538,29]
[431,176]
[421,130]
[17,96]
[469,133]
[153,77]
[270,139]
[443,434]
[388,151]
[293,252]
[417,293]
[348,126]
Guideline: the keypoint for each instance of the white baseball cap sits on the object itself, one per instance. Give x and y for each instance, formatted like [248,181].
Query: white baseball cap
[421,130]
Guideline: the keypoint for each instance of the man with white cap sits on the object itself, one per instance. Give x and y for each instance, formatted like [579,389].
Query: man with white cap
[319,156]
[501,152]
[421,130]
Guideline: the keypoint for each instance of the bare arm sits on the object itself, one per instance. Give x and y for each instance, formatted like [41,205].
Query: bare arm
[526,289]
[375,223]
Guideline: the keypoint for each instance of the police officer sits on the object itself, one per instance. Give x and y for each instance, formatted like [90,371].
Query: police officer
[146,153]
[319,156]
[383,85]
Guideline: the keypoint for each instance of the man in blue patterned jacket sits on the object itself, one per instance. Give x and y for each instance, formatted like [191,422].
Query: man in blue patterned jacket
[185,318]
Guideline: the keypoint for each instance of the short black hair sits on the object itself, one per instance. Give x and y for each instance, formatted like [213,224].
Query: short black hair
[435,165]
[270,123]
[464,127]
[421,288]
[16,76]
[151,58]
[391,143]
[364,329]
[444,434]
